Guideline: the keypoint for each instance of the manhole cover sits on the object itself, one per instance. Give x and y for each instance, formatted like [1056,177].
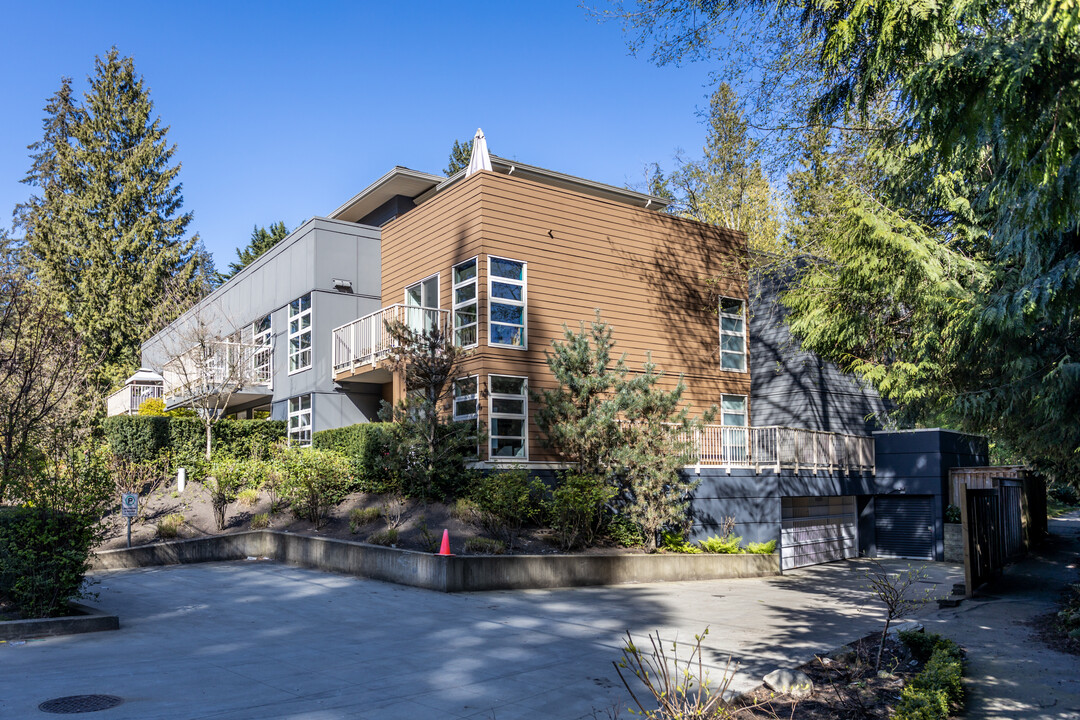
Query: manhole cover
[79,704]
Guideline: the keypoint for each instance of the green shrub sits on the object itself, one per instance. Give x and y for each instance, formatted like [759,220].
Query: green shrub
[727,545]
[676,543]
[44,557]
[386,537]
[169,526]
[359,517]
[507,500]
[923,644]
[577,509]
[943,671]
[466,511]
[260,521]
[758,548]
[366,446]
[248,497]
[228,476]
[139,438]
[484,546]
[922,705]
[314,481]
[624,532]
[231,438]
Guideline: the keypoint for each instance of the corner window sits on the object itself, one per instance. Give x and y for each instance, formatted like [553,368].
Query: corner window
[465,397]
[506,302]
[508,406]
[300,334]
[732,334]
[465,304]
[300,420]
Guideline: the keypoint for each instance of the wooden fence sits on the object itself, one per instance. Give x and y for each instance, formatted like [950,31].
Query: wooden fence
[1001,522]
[979,478]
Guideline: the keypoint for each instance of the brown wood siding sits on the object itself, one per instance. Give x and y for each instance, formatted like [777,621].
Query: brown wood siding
[655,278]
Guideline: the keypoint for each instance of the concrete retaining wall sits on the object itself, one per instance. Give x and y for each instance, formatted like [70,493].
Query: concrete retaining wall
[86,619]
[445,574]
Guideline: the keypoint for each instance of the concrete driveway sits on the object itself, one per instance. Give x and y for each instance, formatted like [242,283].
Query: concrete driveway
[263,640]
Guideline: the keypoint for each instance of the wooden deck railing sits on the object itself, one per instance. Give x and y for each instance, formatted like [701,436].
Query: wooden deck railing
[774,448]
[366,341]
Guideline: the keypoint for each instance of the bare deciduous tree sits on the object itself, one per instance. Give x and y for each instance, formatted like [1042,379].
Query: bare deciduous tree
[43,380]
[211,357]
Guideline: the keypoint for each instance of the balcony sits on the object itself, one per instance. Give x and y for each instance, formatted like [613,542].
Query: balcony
[777,448]
[228,375]
[126,400]
[360,345]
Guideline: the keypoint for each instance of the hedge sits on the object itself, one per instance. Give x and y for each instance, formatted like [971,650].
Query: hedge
[143,437]
[366,446]
[44,556]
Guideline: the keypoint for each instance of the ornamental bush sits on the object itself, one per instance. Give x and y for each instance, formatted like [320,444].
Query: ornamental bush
[140,438]
[577,509]
[44,556]
[507,500]
[314,481]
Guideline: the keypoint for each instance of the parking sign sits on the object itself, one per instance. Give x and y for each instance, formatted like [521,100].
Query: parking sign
[129,505]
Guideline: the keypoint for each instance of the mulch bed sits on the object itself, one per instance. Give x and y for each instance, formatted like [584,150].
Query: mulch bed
[1049,628]
[846,687]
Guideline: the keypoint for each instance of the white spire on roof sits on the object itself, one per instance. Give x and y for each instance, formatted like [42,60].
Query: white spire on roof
[479,160]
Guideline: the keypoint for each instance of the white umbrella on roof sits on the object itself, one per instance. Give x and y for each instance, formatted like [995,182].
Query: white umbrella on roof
[479,160]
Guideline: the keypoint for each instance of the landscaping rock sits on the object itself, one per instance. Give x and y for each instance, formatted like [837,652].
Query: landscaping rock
[845,654]
[790,682]
[905,626]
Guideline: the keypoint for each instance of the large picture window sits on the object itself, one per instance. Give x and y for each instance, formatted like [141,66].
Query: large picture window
[465,304]
[300,334]
[732,334]
[506,302]
[508,418]
[300,420]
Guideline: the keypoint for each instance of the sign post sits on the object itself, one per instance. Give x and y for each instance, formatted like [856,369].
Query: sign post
[129,508]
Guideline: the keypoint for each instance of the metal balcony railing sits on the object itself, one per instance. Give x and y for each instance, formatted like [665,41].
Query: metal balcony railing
[365,341]
[126,400]
[229,366]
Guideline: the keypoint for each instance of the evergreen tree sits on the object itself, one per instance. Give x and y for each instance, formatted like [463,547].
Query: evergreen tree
[460,154]
[727,186]
[622,427]
[105,233]
[262,239]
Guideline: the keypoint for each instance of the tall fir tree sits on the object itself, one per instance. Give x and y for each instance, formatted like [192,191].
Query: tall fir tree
[262,239]
[106,232]
[460,154]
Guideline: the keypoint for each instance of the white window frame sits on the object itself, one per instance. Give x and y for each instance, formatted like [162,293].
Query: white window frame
[300,332]
[475,302]
[524,417]
[523,304]
[299,414]
[263,339]
[475,397]
[741,315]
[734,439]
[438,291]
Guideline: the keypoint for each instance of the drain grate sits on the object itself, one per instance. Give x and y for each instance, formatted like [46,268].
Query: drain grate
[73,704]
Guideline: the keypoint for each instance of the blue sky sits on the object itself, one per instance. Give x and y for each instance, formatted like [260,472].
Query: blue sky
[282,111]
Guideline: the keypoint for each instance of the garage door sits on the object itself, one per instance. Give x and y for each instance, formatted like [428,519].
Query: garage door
[817,530]
[904,527]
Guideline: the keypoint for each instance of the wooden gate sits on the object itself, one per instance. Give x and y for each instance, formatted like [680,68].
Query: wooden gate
[1000,523]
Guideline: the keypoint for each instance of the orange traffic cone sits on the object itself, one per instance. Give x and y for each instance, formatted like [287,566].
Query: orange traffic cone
[444,549]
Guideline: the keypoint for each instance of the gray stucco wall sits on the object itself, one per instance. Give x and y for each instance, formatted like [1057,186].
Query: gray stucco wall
[795,388]
[309,260]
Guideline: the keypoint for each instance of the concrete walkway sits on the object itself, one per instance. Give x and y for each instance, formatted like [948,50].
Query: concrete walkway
[1011,675]
[263,640]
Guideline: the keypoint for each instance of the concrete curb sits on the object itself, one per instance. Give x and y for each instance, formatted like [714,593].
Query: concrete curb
[442,573]
[88,620]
